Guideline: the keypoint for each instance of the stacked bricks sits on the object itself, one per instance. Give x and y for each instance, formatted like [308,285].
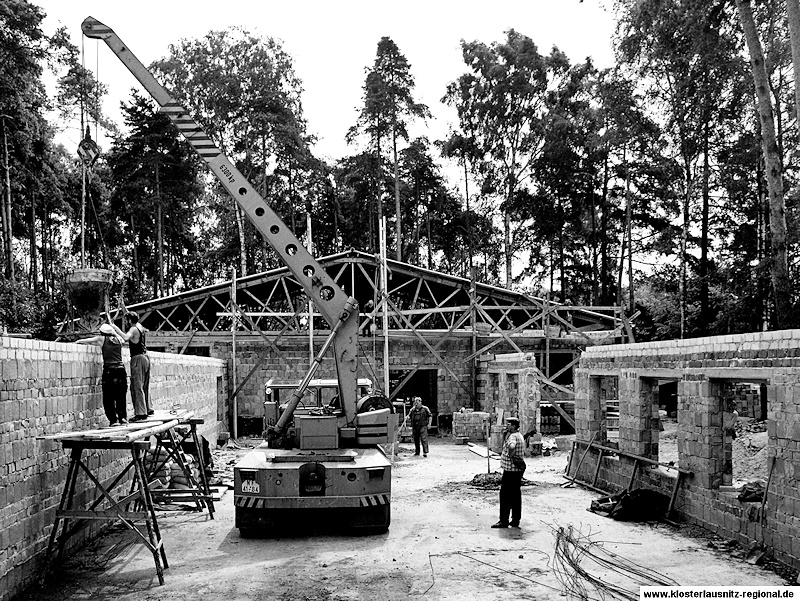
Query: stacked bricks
[747,398]
[714,375]
[470,424]
[50,388]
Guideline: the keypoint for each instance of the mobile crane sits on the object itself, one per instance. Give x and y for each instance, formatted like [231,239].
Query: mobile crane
[325,464]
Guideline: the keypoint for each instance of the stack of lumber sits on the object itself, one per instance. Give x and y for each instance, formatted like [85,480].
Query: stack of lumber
[159,422]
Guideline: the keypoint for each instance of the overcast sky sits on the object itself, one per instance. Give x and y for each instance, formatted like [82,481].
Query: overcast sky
[332,42]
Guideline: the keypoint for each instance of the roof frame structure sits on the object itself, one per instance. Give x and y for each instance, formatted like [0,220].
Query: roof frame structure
[421,299]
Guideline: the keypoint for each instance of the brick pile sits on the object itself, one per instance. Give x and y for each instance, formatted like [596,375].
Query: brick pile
[470,424]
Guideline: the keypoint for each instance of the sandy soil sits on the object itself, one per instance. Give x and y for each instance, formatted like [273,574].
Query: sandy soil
[439,546]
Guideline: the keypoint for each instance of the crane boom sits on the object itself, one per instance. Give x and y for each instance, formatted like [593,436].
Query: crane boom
[338,309]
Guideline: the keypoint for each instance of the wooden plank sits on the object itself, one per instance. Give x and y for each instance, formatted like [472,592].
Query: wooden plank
[157,429]
[640,458]
[597,471]
[103,514]
[93,433]
[633,474]
[674,495]
[586,452]
[481,451]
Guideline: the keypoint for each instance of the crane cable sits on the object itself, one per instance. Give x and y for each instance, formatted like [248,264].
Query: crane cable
[85,169]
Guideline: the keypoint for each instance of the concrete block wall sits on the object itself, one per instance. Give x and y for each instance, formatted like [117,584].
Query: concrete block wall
[706,369]
[406,351]
[292,361]
[50,388]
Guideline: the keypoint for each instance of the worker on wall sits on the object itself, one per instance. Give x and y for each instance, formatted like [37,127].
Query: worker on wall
[420,417]
[140,366]
[115,378]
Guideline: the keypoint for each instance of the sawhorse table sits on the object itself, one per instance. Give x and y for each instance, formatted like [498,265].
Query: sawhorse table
[137,505]
[171,442]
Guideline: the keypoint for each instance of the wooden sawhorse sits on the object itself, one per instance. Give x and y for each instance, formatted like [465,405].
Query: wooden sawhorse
[171,441]
[115,508]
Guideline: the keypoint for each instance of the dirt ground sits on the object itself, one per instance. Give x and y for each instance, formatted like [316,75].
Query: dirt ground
[439,546]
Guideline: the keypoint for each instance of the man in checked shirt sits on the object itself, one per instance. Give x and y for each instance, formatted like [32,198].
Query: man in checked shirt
[513,466]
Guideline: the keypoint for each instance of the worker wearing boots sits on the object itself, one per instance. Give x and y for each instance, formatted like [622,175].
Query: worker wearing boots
[420,417]
[512,463]
[140,366]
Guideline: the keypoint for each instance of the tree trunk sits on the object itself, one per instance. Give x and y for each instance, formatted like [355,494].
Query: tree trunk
[34,279]
[160,232]
[45,250]
[137,269]
[428,231]
[593,244]
[471,272]
[378,192]
[605,270]
[5,208]
[793,15]
[685,243]
[417,234]
[705,302]
[629,236]
[398,227]
[774,170]
[507,232]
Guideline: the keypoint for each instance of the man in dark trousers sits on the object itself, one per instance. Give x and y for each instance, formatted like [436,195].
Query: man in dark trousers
[512,463]
[140,366]
[115,379]
[420,417]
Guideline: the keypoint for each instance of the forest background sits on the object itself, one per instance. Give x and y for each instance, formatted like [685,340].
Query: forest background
[666,184]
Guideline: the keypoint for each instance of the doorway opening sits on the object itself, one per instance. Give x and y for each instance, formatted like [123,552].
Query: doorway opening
[423,383]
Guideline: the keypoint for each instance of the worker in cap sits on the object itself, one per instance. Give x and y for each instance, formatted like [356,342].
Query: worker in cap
[512,463]
[115,380]
[420,417]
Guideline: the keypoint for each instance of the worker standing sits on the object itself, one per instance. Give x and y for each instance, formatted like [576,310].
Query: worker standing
[140,366]
[420,417]
[115,379]
[512,463]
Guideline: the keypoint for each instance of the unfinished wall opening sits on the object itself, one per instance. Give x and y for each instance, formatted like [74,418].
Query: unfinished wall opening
[666,411]
[423,383]
[744,431]
[609,409]
[512,385]
[493,390]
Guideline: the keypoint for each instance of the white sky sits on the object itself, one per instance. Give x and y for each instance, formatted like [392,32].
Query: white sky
[332,42]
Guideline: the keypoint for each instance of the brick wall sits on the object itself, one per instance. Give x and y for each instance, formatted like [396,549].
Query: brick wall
[406,351]
[49,388]
[713,375]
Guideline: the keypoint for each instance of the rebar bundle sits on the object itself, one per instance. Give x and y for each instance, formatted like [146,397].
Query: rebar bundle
[574,555]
